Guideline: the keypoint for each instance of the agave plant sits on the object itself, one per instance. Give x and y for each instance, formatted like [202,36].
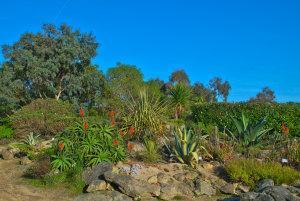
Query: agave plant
[31,139]
[186,147]
[248,133]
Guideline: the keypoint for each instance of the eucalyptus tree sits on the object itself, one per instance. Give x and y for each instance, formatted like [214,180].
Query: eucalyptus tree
[51,63]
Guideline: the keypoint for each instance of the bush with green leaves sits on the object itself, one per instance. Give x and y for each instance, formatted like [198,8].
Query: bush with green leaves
[248,133]
[250,171]
[6,132]
[87,146]
[45,117]
[219,114]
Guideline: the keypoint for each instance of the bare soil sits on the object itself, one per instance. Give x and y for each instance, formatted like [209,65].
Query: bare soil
[13,186]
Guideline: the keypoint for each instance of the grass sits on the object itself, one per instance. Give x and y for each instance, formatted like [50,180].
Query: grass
[250,171]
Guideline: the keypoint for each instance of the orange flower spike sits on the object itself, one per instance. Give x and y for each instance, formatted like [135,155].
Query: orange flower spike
[81,112]
[121,133]
[61,146]
[131,130]
[115,142]
[111,114]
[85,126]
[130,146]
[285,129]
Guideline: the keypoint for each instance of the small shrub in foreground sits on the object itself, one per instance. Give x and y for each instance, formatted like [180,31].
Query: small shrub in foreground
[6,132]
[151,153]
[251,171]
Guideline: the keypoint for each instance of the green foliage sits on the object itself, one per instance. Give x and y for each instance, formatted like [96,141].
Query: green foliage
[251,171]
[50,63]
[31,139]
[180,98]
[87,146]
[248,133]
[147,114]
[220,114]
[6,132]
[151,153]
[45,117]
[186,147]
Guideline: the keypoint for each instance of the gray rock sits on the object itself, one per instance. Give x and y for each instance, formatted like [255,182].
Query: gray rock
[271,193]
[229,188]
[204,188]
[132,187]
[170,190]
[103,196]
[163,178]
[7,154]
[96,172]
[96,185]
[179,176]
[264,184]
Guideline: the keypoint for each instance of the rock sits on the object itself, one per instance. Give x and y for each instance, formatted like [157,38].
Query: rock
[171,190]
[204,188]
[103,196]
[96,185]
[243,188]
[96,172]
[132,187]
[25,161]
[264,184]
[179,176]
[191,175]
[7,154]
[152,179]
[135,169]
[125,169]
[163,178]
[229,188]
[271,193]
[137,147]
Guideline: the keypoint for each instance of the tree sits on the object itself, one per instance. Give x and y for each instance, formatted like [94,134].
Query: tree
[220,88]
[51,63]
[180,97]
[266,95]
[125,81]
[179,76]
[203,94]
[154,87]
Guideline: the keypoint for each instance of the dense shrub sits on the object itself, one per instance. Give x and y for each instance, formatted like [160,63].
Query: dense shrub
[276,114]
[45,117]
[251,171]
[6,132]
[87,145]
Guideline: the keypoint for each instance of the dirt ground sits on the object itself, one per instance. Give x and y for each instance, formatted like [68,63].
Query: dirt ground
[14,188]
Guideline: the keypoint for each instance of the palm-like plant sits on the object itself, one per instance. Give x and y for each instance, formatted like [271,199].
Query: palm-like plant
[248,133]
[186,147]
[180,96]
[31,139]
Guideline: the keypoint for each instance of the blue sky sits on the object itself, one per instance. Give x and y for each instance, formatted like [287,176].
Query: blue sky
[250,43]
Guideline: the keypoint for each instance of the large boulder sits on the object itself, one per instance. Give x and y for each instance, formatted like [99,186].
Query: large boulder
[96,172]
[131,186]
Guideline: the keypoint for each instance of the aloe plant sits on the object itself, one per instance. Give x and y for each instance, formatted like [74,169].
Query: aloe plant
[186,147]
[249,133]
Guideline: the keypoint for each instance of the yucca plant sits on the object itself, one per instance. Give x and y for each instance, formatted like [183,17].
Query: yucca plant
[248,133]
[147,113]
[186,147]
[180,97]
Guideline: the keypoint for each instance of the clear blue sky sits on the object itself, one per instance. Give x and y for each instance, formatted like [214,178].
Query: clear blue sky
[250,43]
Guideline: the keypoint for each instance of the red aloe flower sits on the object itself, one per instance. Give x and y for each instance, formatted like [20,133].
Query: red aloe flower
[81,112]
[121,133]
[130,146]
[115,142]
[131,130]
[61,146]
[285,130]
[85,126]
